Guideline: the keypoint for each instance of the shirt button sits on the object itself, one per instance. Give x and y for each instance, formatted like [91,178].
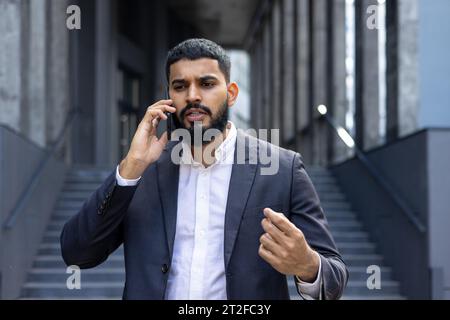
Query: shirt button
[164,268]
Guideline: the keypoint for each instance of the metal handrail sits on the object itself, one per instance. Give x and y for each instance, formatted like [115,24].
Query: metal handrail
[376,174]
[26,194]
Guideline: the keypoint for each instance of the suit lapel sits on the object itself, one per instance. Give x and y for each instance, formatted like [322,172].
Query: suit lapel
[242,177]
[168,175]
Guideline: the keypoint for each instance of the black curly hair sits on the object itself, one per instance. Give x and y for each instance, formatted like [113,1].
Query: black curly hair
[193,49]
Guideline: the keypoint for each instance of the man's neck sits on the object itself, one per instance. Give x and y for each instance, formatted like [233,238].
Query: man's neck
[200,156]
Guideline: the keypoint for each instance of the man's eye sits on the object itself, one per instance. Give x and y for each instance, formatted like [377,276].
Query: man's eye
[178,87]
[208,84]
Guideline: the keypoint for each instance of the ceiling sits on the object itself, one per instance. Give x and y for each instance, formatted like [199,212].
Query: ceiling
[223,21]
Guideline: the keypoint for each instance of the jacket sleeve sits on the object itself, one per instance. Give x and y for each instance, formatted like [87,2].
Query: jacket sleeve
[90,236]
[307,214]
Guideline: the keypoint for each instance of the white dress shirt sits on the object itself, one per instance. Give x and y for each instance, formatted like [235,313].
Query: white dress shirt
[197,270]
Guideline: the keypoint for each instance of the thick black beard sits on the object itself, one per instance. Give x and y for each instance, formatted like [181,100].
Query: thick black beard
[219,122]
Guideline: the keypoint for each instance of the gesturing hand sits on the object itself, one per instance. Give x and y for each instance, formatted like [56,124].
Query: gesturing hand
[284,247]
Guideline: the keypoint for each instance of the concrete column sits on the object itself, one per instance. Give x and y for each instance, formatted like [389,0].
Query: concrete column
[268,78]
[338,103]
[303,80]
[10,66]
[303,63]
[104,71]
[408,66]
[319,78]
[402,67]
[38,61]
[58,69]
[367,89]
[160,20]
[276,71]
[391,70]
[253,106]
[288,72]
[259,82]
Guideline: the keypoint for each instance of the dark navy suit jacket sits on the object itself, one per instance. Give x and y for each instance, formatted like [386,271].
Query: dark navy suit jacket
[143,219]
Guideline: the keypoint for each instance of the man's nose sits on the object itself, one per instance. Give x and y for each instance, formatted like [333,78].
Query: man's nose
[193,95]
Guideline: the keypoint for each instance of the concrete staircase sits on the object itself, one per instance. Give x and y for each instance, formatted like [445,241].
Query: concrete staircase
[353,242]
[47,277]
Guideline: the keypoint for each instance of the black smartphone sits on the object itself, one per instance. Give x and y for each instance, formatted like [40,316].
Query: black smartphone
[169,125]
[169,121]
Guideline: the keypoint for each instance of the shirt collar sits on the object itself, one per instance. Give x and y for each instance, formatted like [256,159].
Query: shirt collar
[224,154]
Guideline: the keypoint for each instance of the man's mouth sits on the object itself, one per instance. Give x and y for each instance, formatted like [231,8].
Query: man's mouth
[195,114]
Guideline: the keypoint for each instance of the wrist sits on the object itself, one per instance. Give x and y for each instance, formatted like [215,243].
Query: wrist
[311,269]
[131,169]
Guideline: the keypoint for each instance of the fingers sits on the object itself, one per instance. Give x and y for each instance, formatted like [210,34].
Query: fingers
[269,244]
[164,105]
[155,114]
[267,255]
[280,221]
[277,235]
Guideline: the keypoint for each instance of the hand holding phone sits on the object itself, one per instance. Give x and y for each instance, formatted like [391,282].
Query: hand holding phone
[147,146]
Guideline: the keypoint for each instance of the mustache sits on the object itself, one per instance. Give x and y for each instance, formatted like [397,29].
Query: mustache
[190,106]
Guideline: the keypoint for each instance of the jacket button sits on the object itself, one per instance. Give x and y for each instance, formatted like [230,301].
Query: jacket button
[164,268]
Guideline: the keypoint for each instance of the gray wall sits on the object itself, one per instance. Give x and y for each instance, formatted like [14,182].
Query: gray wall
[416,167]
[439,210]
[19,159]
[434,53]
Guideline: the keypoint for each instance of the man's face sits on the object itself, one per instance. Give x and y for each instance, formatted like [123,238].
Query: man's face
[198,90]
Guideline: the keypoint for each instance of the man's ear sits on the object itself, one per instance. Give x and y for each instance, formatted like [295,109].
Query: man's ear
[233,92]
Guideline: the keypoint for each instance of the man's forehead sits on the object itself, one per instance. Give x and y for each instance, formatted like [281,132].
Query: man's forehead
[198,68]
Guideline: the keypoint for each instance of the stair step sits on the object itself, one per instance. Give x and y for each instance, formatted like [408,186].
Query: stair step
[350,236]
[319,179]
[345,226]
[332,196]
[363,260]
[360,288]
[373,297]
[56,261]
[74,195]
[69,204]
[51,249]
[334,205]
[93,289]
[80,187]
[332,218]
[87,175]
[61,218]
[360,250]
[60,276]
[360,273]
